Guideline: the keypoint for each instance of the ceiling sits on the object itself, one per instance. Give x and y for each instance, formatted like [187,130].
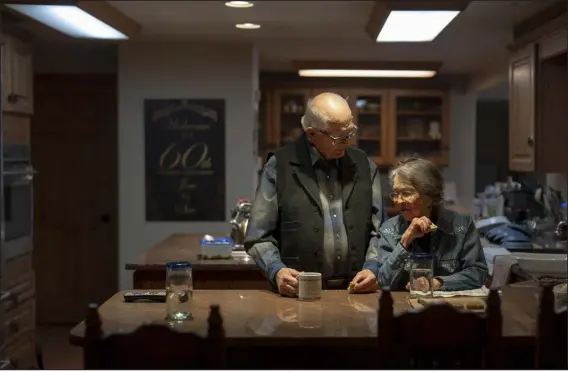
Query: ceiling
[334,30]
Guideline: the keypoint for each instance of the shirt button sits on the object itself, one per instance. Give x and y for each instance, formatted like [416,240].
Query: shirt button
[327,176]
[337,236]
[339,257]
[334,216]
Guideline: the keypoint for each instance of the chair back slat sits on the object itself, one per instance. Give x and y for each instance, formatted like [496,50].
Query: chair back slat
[438,336]
[551,333]
[154,346]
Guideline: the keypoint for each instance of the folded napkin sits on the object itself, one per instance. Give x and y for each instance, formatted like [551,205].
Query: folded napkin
[479,292]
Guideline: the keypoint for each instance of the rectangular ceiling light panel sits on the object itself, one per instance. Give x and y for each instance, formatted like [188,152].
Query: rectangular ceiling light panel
[367,73]
[415,25]
[69,20]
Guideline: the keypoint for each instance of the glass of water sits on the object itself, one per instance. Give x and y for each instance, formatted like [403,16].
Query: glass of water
[421,274]
[179,290]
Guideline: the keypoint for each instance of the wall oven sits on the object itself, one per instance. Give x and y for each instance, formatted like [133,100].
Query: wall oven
[18,174]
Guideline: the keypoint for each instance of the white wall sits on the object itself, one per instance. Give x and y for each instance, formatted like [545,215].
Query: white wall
[180,70]
[461,169]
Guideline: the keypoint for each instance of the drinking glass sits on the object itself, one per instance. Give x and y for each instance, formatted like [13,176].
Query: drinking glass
[421,274]
[179,290]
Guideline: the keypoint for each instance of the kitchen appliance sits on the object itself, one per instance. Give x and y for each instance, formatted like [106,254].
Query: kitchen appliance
[18,174]
[539,265]
[520,205]
[240,215]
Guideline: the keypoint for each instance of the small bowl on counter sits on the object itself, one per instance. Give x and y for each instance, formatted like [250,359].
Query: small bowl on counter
[216,248]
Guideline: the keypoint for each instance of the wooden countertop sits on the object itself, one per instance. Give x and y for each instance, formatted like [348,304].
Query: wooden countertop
[186,247]
[261,316]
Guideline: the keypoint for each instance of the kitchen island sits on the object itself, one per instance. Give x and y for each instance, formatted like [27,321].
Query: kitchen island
[239,272]
[266,330]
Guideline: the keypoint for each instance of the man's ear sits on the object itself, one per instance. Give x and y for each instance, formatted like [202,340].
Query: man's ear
[310,133]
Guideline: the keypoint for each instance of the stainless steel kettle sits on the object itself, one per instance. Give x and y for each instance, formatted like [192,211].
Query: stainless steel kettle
[240,215]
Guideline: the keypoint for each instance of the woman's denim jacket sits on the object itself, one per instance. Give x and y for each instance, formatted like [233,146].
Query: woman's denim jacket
[459,260]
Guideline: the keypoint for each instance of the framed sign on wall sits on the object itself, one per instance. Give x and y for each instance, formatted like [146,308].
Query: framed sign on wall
[185,159]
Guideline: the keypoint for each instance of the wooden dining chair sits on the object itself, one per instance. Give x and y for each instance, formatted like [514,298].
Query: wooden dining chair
[439,336]
[154,346]
[552,329]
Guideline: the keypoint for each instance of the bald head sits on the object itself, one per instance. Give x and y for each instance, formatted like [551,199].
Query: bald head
[327,110]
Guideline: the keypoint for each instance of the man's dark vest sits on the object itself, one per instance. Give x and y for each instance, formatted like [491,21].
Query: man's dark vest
[300,233]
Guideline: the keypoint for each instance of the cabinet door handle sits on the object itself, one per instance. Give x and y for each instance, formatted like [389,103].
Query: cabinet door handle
[530,141]
[12,98]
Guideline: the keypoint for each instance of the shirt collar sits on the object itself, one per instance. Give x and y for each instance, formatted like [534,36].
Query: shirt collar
[315,155]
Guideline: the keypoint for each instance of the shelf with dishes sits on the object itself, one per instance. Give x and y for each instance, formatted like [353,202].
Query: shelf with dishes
[420,125]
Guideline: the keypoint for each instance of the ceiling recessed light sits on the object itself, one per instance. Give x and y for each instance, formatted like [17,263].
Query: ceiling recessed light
[239,4]
[247,26]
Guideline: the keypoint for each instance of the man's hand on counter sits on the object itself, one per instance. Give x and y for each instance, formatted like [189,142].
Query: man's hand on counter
[365,282]
[287,282]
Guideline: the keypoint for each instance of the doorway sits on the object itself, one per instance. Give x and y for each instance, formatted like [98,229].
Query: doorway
[74,150]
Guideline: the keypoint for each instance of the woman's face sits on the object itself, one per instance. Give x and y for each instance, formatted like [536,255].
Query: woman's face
[408,200]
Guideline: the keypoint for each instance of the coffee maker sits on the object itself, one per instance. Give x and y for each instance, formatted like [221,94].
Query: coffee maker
[240,215]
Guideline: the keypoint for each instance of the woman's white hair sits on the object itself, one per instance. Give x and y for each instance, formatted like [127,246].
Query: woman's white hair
[421,174]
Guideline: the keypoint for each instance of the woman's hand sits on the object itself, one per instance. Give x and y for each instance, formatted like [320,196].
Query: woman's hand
[421,284]
[419,227]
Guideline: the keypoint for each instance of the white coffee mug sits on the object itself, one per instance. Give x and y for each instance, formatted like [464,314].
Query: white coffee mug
[309,286]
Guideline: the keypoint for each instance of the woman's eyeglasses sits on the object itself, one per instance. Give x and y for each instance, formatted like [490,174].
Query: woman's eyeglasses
[403,195]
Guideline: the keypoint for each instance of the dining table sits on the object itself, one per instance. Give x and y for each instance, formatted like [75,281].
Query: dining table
[261,325]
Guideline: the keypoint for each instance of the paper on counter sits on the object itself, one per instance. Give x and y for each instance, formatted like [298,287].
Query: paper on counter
[501,270]
[491,252]
[479,292]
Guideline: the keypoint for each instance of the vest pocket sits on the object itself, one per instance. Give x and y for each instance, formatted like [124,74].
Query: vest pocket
[291,226]
[291,262]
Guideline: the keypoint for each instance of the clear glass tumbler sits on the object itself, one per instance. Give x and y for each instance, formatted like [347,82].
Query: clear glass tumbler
[179,290]
[421,274]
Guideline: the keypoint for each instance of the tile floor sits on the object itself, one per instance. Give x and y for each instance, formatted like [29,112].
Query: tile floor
[57,352]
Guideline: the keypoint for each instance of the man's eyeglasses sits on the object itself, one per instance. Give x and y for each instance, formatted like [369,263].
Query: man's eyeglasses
[341,139]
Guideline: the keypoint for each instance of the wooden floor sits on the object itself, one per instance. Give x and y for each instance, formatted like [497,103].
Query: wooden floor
[57,352]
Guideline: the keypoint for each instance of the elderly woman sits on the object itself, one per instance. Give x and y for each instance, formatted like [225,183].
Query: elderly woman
[425,226]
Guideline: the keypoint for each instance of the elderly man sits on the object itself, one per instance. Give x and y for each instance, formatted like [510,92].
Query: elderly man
[318,206]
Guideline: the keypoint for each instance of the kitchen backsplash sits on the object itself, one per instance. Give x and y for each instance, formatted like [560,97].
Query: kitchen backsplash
[558,182]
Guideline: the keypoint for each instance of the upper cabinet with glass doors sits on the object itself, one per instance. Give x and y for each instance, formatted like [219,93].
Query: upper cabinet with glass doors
[392,124]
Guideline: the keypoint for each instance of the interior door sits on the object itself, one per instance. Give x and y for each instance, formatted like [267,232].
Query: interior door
[74,149]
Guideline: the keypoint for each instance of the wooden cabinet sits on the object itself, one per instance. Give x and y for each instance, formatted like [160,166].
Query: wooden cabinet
[537,106]
[392,124]
[17,325]
[17,79]
[370,112]
[522,88]
[289,106]
[17,283]
[420,125]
